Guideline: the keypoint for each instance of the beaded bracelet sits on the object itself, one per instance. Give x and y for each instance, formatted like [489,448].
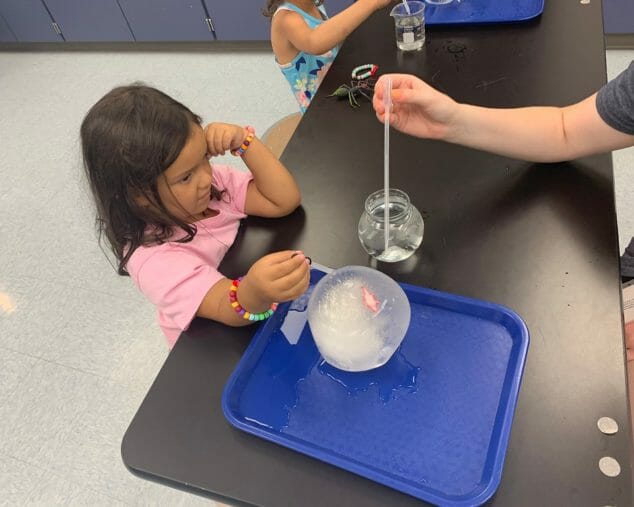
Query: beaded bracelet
[233,299]
[371,70]
[245,144]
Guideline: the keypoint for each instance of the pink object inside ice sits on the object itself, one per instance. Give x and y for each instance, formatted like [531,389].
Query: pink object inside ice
[370,300]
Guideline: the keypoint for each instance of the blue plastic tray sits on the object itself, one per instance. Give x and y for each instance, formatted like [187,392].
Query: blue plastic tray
[433,422]
[483,11]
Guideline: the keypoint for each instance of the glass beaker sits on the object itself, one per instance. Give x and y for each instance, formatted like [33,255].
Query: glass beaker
[409,26]
[405,227]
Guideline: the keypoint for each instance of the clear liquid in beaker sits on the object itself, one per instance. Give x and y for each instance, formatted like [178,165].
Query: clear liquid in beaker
[406,243]
[410,33]
[405,228]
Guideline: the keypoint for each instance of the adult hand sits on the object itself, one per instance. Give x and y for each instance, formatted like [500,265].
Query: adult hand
[417,108]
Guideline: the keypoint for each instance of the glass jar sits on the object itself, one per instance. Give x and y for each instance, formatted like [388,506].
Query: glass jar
[405,227]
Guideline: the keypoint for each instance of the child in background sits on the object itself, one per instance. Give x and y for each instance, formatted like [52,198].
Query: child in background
[170,216]
[305,41]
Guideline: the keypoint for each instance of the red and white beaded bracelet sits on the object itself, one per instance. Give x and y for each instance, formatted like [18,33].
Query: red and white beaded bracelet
[371,70]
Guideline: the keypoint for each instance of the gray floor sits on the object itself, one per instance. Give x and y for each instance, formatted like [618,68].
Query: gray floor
[79,347]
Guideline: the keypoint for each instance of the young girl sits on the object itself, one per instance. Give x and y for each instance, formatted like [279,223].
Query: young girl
[305,41]
[170,216]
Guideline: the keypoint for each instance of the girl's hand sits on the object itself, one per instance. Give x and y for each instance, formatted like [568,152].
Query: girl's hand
[223,137]
[417,108]
[280,276]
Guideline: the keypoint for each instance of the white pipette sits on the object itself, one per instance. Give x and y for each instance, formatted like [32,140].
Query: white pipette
[387,103]
[406,7]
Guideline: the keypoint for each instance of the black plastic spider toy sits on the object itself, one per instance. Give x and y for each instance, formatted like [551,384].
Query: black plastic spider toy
[356,89]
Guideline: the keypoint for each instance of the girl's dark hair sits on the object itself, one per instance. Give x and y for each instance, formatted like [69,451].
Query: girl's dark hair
[129,138]
[272,5]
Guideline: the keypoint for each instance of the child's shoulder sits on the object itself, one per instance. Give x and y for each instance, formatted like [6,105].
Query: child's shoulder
[156,254]
[158,257]
[224,170]
[286,14]
[284,8]
[159,269]
[230,178]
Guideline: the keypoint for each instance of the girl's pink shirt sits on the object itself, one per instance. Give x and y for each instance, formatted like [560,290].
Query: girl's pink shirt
[177,276]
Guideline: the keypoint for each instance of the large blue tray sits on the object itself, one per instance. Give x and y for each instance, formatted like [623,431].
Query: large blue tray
[433,422]
[483,11]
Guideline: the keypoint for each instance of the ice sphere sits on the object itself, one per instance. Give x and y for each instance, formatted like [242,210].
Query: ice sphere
[358,317]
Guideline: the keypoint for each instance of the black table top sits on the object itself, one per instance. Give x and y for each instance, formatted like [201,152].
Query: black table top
[539,238]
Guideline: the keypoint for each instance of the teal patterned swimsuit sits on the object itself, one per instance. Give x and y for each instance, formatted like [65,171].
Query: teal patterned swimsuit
[305,72]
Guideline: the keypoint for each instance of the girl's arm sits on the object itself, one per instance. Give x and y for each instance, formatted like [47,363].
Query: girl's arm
[292,27]
[539,134]
[273,191]
[277,277]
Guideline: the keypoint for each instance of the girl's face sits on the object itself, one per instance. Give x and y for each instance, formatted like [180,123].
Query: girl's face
[185,186]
